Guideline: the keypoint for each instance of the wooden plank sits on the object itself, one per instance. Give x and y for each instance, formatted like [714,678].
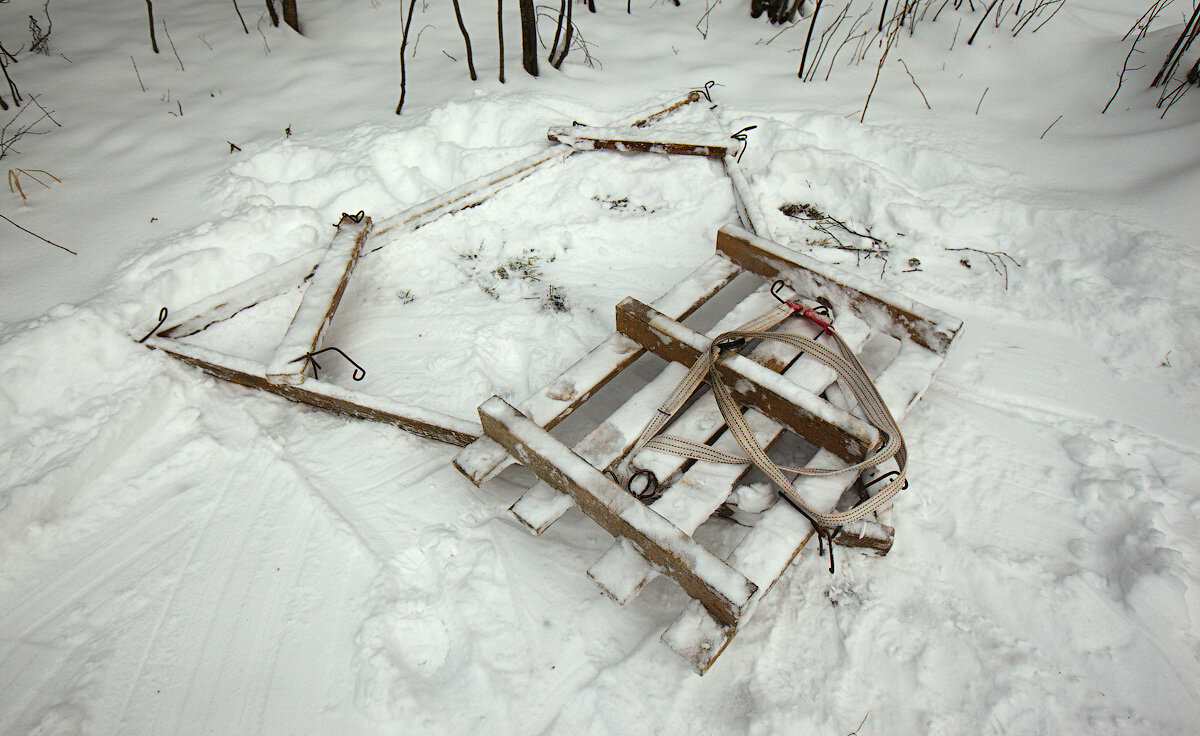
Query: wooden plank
[767,550]
[719,588]
[883,309]
[749,212]
[636,140]
[319,302]
[346,402]
[201,315]
[482,188]
[555,401]
[541,506]
[687,504]
[808,415]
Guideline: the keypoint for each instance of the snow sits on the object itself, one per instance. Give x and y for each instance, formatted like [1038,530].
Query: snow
[180,555]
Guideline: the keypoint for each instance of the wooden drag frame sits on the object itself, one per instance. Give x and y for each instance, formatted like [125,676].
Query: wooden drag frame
[322,278]
[783,390]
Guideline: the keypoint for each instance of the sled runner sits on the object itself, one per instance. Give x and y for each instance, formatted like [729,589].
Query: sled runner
[653,499]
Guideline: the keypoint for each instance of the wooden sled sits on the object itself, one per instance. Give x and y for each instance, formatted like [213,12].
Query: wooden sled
[322,279]
[784,392]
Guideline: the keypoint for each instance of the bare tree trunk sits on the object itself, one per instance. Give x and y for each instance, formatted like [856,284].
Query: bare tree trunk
[528,37]
[500,34]
[271,10]
[403,46]
[559,54]
[290,16]
[153,40]
[466,40]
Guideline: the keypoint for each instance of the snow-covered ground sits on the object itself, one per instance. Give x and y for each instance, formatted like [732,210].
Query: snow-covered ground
[179,555]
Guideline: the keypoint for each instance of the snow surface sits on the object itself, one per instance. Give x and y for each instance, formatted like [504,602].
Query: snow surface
[178,555]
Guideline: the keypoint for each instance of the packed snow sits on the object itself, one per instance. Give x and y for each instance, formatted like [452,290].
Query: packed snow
[182,555]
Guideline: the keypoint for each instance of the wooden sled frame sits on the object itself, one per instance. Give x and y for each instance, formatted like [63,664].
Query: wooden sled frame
[784,390]
[323,276]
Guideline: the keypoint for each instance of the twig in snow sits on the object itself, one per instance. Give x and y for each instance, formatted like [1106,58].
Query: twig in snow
[971,40]
[1179,48]
[914,81]
[985,91]
[164,21]
[39,237]
[1047,130]
[500,35]
[995,258]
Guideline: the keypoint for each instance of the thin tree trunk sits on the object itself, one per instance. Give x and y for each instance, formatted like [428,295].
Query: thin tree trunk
[528,37]
[557,62]
[500,35]
[562,13]
[403,46]
[466,40]
[290,16]
[271,10]
[808,39]
[153,40]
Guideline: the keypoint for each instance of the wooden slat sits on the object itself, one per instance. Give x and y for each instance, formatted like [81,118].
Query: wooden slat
[484,187]
[587,138]
[201,315]
[621,573]
[319,303]
[555,401]
[808,415]
[883,309]
[541,506]
[422,422]
[719,588]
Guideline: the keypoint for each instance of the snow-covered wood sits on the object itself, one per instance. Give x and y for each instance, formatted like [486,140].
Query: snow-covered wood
[883,308]
[555,401]
[687,503]
[482,188]
[200,315]
[721,590]
[638,140]
[323,395]
[541,506]
[800,410]
[319,302]
[769,548]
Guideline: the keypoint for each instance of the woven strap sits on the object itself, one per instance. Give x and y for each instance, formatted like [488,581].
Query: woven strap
[850,373]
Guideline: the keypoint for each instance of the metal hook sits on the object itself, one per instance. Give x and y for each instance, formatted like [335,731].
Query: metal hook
[706,90]
[741,136]
[651,489]
[162,317]
[886,476]
[352,218]
[359,371]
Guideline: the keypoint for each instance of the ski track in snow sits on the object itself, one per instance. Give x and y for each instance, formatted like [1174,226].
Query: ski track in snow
[179,555]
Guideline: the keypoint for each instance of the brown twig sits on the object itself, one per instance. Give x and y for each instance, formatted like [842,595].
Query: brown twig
[39,237]
[914,81]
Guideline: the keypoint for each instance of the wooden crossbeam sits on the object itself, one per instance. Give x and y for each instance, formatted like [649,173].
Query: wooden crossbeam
[634,140]
[881,308]
[808,415]
[721,590]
